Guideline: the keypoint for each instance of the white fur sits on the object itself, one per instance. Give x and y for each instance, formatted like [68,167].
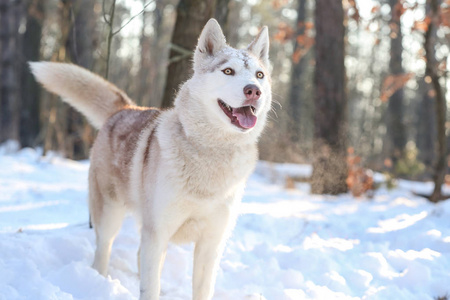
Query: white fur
[185,185]
[90,94]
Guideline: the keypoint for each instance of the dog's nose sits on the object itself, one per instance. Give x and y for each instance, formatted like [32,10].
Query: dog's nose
[252,92]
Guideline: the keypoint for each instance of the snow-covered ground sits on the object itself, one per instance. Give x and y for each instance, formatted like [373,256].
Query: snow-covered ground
[287,244]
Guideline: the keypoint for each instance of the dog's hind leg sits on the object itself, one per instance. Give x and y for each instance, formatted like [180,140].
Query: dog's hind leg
[106,229]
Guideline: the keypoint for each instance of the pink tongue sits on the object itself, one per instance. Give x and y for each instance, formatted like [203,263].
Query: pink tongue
[245,116]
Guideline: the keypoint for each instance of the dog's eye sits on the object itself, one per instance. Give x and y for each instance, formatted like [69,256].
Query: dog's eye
[228,71]
[260,75]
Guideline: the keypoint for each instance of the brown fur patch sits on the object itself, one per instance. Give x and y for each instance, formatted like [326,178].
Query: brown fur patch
[123,130]
[147,148]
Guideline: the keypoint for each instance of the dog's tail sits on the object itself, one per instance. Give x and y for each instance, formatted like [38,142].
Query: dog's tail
[87,92]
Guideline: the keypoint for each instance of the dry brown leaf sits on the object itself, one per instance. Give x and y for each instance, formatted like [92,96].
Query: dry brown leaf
[375,9]
[445,16]
[393,83]
[359,180]
[277,4]
[420,26]
[284,33]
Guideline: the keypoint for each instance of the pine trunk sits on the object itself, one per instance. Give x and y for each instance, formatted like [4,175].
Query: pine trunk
[80,45]
[10,15]
[297,88]
[440,104]
[192,15]
[396,133]
[221,14]
[152,58]
[329,166]
[30,109]
[426,125]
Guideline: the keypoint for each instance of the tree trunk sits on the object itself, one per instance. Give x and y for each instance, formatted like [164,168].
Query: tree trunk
[80,45]
[329,166]
[83,35]
[296,99]
[440,104]
[55,112]
[233,21]
[221,14]
[426,125]
[152,58]
[145,60]
[30,108]
[10,15]
[396,133]
[192,15]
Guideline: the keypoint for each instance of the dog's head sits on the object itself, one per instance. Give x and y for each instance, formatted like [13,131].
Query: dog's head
[232,86]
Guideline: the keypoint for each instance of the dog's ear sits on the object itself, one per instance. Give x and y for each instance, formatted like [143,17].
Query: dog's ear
[211,39]
[260,46]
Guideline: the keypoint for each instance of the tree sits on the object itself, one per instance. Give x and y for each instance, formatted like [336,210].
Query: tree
[30,104]
[83,35]
[80,46]
[432,72]
[221,15]
[329,166]
[55,112]
[426,124]
[152,56]
[298,101]
[192,15]
[10,15]
[396,133]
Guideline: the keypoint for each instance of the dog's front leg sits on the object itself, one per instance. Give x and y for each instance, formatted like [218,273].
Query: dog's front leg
[152,254]
[207,253]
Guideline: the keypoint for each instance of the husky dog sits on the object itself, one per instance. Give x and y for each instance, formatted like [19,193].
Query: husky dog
[181,171]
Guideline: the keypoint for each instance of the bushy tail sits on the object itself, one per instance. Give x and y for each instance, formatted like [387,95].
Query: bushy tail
[87,92]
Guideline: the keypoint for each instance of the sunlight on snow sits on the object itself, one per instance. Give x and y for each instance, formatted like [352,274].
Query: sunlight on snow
[399,222]
[45,226]
[402,201]
[315,242]
[384,269]
[20,168]
[279,209]
[426,253]
[31,206]
[435,233]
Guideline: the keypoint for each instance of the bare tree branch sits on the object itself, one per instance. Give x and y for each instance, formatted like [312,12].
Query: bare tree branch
[111,32]
[110,35]
[104,14]
[133,17]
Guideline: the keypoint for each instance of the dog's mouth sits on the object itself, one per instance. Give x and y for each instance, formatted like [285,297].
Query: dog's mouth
[242,117]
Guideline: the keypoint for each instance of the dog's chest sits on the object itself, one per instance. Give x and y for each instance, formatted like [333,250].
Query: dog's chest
[207,174]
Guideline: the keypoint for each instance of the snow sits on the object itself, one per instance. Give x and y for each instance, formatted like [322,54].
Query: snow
[287,244]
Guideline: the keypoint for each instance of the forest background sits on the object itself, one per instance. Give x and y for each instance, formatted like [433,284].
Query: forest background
[358,84]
